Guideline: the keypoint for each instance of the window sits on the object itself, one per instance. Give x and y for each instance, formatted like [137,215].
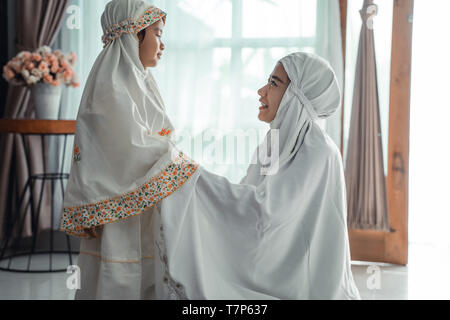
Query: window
[218,54]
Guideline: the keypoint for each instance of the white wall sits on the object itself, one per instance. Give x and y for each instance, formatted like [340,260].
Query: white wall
[429,190]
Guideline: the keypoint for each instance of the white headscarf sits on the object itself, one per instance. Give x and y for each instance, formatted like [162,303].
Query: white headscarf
[124,160]
[312,94]
[276,236]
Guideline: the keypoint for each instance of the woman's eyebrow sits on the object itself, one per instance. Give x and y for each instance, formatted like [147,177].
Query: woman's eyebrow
[276,78]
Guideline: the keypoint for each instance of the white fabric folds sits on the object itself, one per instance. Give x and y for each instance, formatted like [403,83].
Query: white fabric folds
[277,235]
[124,158]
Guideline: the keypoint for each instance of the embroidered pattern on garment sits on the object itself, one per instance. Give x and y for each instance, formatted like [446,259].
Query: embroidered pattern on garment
[75,219]
[164,132]
[131,25]
[175,289]
[76,154]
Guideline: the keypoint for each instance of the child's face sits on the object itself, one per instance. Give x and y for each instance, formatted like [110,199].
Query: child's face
[151,48]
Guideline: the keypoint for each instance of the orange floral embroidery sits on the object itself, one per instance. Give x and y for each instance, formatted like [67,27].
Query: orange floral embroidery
[132,26]
[76,154]
[164,132]
[75,220]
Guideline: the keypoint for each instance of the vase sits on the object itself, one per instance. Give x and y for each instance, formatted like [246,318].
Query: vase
[47,99]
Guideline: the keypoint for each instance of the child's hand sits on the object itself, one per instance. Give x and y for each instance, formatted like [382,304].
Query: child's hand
[92,232]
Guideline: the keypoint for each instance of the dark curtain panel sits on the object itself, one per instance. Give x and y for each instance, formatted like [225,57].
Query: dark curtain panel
[37,24]
[3,52]
[364,171]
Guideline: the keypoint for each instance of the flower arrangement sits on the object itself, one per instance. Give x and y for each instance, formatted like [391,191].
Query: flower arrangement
[42,66]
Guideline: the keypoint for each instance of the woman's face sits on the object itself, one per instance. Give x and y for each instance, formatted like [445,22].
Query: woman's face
[272,93]
[151,47]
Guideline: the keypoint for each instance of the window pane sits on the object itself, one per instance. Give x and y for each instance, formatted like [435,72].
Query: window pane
[197,94]
[214,14]
[279,18]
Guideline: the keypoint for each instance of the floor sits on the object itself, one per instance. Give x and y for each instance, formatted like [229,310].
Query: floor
[425,277]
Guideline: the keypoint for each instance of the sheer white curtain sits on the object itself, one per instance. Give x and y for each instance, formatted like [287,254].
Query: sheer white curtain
[218,54]
[81,33]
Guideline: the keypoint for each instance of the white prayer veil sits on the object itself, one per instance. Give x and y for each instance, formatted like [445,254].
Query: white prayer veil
[124,158]
[312,94]
[282,235]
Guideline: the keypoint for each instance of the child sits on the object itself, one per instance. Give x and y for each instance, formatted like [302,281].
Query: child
[124,159]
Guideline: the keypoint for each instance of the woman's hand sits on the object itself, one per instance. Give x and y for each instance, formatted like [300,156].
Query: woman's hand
[93,232]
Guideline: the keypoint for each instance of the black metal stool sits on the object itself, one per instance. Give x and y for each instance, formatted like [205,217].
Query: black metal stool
[13,247]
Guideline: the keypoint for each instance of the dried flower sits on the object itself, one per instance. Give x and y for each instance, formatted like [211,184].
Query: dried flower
[29,68]
[8,73]
[37,73]
[36,57]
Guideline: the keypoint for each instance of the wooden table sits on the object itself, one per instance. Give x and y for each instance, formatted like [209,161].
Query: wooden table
[37,126]
[15,221]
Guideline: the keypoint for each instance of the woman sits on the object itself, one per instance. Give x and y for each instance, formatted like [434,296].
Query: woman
[281,233]
[124,160]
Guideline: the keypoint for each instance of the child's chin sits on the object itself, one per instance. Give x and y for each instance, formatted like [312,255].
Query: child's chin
[152,64]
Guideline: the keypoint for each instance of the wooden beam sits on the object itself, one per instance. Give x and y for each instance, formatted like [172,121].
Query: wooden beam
[37,126]
[367,245]
[396,243]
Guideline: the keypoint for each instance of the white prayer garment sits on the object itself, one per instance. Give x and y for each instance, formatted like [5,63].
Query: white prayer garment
[282,232]
[124,161]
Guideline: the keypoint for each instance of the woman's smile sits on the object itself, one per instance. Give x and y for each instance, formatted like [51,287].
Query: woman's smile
[272,93]
[263,105]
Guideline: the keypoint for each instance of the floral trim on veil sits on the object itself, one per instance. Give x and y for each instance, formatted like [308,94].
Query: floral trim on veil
[75,220]
[129,26]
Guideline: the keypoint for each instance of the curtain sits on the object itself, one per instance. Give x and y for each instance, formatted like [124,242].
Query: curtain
[81,34]
[365,180]
[218,54]
[382,39]
[4,57]
[37,23]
